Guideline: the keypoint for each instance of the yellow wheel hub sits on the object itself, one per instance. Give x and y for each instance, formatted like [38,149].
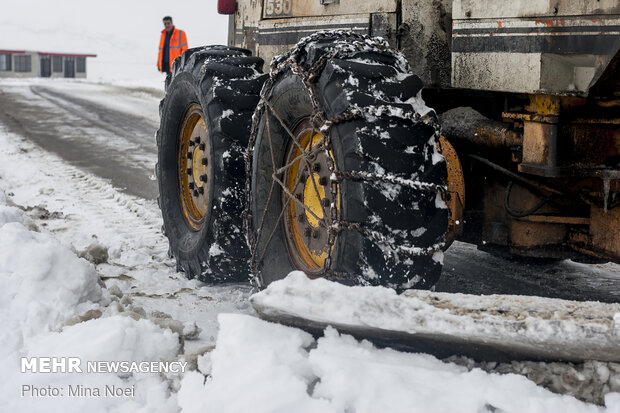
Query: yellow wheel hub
[194,171]
[198,168]
[312,199]
[308,201]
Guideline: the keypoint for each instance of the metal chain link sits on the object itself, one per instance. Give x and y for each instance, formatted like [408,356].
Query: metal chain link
[389,178]
[323,124]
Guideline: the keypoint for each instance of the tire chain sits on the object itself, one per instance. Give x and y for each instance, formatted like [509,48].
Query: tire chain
[290,60]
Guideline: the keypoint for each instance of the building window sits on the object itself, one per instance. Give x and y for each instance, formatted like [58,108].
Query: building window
[5,62]
[23,63]
[56,64]
[80,65]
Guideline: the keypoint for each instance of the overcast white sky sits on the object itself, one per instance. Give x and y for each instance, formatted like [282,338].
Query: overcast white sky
[124,34]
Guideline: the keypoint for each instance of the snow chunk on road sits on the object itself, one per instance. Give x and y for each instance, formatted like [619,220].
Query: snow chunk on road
[10,214]
[257,367]
[265,368]
[42,283]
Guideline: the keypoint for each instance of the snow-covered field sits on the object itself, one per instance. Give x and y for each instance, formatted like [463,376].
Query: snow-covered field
[123,34]
[84,273]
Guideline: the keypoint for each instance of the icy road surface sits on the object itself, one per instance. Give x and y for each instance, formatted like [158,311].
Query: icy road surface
[76,162]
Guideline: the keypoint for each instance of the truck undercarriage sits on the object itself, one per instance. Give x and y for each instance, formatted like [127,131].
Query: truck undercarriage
[545,78]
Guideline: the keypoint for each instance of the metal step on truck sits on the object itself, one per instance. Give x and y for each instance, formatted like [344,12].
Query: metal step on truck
[309,143]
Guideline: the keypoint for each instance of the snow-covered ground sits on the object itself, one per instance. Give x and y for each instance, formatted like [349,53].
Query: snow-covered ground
[263,367]
[88,215]
[124,301]
[57,213]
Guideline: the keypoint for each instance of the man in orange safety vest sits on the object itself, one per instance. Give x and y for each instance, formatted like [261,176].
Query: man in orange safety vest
[172,44]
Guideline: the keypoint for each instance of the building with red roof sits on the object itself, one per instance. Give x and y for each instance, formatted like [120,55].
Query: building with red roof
[26,63]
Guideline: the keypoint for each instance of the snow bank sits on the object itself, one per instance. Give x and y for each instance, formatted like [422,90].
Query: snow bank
[44,288]
[262,367]
[358,377]
[114,338]
[42,284]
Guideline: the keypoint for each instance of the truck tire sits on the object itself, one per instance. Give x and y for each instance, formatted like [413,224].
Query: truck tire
[205,122]
[346,180]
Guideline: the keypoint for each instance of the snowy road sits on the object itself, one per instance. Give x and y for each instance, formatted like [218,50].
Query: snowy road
[102,129]
[468,270]
[78,158]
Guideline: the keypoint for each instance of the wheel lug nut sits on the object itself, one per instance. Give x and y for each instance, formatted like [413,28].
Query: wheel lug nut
[190,155]
[201,146]
[197,139]
[190,143]
[201,190]
[195,193]
[326,202]
[322,181]
[203,178]
[315,234]
[189,171]
[316,167]
[205,161]
[308,232]
[191,185]
[301,217]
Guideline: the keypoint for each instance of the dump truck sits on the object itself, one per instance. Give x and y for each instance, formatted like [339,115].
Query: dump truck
[356,140]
